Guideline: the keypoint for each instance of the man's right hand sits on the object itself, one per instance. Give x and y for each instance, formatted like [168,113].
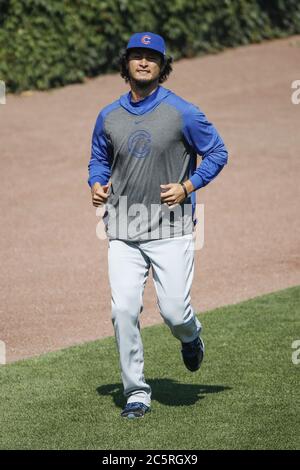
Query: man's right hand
[99,194]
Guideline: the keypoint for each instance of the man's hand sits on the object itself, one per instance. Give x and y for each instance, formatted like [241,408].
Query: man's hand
[99,194]
[172,194]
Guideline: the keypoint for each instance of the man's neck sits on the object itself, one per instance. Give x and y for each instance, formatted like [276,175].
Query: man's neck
[138,93]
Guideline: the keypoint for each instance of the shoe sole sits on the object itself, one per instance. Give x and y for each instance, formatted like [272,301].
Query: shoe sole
[131,415]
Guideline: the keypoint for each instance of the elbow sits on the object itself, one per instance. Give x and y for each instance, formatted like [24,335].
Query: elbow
[220,156]
[225,156]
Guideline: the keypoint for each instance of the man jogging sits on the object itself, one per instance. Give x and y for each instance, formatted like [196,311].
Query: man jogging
[143,167]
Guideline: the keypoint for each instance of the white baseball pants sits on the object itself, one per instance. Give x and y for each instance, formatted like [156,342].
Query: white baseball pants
[172,262]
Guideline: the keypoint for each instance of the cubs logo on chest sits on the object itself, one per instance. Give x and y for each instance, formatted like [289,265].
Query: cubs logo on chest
[139,143]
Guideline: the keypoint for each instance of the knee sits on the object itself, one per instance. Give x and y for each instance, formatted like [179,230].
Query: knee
[126,310]
[173,310]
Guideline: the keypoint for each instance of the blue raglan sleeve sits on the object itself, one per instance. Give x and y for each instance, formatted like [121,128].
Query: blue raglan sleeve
[205,140]
[100,163]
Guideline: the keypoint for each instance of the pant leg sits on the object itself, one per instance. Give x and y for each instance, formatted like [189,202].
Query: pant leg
[128,271]
[172,261]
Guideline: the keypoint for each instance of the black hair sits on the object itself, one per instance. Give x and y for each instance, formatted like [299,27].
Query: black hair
[166,67]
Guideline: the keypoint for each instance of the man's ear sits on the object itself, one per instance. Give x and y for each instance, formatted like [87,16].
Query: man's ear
[162,64]
[163,61]
[127,61]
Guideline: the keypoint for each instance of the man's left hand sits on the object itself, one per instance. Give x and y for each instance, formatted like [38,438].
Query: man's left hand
[172,194]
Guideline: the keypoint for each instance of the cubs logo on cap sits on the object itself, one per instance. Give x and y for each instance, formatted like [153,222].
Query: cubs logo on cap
[147,40]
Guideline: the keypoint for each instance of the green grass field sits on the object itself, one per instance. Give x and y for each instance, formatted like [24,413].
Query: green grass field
[245,396]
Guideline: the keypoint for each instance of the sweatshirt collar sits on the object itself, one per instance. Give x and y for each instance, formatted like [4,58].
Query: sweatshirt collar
[146,104]
[143,102]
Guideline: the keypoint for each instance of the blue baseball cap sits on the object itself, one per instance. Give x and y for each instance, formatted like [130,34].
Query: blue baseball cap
[147,40]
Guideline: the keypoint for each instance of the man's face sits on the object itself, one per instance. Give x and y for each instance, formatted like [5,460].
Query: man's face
[144,65]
